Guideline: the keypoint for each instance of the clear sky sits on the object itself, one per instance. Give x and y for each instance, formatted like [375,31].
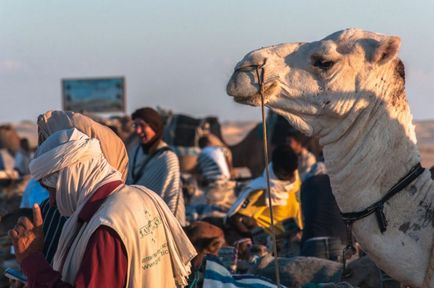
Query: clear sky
[180,54]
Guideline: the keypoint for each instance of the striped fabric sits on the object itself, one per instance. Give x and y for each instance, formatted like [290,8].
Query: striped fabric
[162,175]
[186,151]
[217,276]
[212,164]
[53,224]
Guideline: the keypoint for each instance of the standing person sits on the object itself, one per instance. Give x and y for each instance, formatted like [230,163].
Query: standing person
[324,230]
[112,148]
[305,159]
[116,235]
[22,157]
[215,176]
[153,164]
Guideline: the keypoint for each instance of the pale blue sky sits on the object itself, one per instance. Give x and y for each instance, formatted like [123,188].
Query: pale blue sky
[180,54]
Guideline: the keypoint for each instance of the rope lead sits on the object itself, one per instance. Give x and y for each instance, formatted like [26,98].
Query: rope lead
[267,172]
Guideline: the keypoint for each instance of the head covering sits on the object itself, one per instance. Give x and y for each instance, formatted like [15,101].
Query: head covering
[81,169]
[285,162]
[202,234]
[278,189]
[111,145]
[79,164]
[61,138]
[153,119]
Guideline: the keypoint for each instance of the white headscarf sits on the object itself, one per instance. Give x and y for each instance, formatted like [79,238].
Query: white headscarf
[111,145]
[278,190]
[81,169]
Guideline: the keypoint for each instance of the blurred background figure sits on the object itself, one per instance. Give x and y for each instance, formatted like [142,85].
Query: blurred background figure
[7,161]
[251,208]
[324,230]
[214,169]
[23,157]
[153,164]
[319,168]
[305,158]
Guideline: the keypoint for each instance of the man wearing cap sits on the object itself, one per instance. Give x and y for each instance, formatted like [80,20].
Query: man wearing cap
[153,164]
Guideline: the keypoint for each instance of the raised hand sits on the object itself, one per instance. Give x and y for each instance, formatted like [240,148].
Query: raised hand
[28,237]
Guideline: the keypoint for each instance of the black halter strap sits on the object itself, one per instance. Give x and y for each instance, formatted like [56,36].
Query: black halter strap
[377,208]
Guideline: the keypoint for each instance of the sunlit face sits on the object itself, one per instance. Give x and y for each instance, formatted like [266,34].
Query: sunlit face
[143,130]
[295,145]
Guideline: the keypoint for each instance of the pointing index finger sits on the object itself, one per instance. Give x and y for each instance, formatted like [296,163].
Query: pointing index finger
[37,216]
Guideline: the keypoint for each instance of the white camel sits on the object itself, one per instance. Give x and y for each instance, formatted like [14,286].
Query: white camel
[348,89]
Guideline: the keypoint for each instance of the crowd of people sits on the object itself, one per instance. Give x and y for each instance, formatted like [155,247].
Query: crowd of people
[105,215]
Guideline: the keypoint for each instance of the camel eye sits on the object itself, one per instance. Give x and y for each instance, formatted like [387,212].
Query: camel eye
[322,63]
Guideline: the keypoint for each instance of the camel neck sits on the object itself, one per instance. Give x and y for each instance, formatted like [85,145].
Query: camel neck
[370,156]
[376,150]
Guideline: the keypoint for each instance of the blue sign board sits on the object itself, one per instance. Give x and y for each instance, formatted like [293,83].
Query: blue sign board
[94,95]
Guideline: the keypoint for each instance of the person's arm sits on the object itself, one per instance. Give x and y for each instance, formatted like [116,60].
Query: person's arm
[104,264]
[39,272]
[157,175]
[228,157]
[163,177]
[171,186]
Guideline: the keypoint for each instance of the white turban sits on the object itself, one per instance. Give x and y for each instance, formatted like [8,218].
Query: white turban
[81,169]
[80,165]
[111,145]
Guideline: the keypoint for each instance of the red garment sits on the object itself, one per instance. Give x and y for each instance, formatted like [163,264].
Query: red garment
[104,263]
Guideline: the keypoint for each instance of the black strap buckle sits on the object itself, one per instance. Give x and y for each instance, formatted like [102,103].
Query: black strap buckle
[381,218]
[378,207]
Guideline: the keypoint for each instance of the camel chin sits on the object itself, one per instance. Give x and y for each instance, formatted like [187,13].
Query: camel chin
[254,100]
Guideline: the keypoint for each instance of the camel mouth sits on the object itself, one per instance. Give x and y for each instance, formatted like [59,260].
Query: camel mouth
[254,100]
[245,90]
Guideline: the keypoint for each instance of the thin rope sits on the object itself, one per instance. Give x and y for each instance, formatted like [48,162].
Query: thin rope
[267,173]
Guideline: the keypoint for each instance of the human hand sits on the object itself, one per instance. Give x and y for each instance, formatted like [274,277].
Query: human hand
[16,284]
[28,237]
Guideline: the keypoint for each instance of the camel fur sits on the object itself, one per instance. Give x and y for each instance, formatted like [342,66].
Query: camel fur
[349,90]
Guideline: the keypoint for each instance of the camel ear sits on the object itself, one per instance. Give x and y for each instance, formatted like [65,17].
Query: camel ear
[386,50]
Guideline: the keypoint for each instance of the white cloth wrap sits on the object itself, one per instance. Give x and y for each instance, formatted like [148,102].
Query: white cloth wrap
[278,190]
[180,248]
[51,180]
[82,169]
[217,154]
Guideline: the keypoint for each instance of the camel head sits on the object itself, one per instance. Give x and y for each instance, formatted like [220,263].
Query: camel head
[315,84]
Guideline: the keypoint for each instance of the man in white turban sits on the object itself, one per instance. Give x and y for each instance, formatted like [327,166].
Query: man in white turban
[116,235]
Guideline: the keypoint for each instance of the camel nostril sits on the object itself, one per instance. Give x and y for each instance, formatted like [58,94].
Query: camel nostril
[248,67]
